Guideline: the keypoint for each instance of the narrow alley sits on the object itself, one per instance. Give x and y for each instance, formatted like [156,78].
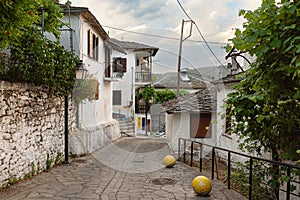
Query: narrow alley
[130,168]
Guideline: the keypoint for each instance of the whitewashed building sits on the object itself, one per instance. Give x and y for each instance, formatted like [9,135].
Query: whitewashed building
[84,35]
[137,69]
[192,116]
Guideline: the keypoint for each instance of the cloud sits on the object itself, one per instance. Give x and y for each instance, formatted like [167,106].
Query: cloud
[215,19]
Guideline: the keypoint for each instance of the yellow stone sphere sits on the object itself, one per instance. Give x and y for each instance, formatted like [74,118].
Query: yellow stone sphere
[169,161]
[202,185]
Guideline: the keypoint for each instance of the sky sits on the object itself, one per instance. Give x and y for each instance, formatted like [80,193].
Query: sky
[216,20]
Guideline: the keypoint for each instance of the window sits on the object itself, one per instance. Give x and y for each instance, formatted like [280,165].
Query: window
[93,45]
[120,62]
[117,98]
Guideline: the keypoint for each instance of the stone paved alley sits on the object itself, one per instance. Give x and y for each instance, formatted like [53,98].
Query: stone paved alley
[125,169]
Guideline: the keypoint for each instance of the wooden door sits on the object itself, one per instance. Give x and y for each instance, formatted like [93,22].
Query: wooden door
[200,125]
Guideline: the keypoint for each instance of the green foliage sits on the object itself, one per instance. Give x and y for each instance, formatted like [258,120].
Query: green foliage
[48,163]
[33,58]
[17,17]
[164,95]
[260,174]
[159,96]
[12,181]
[183,92]
[266,103]
[40,61]
[58,158]
[33,169]
[147,94]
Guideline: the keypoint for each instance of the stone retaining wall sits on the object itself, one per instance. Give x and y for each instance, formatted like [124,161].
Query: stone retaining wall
[31,130]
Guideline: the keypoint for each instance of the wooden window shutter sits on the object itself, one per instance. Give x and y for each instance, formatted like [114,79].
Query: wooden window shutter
[97,91]
[123,63]
[88,42]
[97,48]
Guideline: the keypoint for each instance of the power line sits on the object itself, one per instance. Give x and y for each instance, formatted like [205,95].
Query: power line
[205,74]
[160,36]
[165,66]
[198,29]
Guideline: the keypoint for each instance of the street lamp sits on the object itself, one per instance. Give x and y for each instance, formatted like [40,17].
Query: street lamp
[81,70]
[80,74]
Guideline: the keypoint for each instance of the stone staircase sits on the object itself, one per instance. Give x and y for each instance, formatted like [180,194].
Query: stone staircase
[126,125]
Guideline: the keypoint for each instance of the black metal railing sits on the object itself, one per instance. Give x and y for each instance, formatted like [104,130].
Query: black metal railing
[143,77]
[291,172]
[140,108]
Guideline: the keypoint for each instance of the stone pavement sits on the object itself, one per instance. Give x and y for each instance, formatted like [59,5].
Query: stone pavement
[130,168]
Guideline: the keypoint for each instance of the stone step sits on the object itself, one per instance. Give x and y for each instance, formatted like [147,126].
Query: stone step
[126,126]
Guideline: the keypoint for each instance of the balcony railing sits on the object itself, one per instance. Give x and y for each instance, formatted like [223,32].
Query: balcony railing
[140,108]
[143,74]
[142,77]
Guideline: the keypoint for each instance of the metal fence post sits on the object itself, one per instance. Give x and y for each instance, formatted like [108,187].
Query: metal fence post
[201,149]
[192,153]
[228,170]
[184,148]
[288,184]
[250,178]
[213,164]
[178,156]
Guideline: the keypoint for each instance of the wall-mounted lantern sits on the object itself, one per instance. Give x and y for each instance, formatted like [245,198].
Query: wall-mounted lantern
[81,70]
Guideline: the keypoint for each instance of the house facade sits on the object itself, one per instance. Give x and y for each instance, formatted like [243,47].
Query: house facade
[84,35]
[137,74]
[192,116]
[224,86]
[188,84]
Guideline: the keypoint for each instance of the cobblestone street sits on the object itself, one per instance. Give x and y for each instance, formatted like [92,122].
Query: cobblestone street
[130,168]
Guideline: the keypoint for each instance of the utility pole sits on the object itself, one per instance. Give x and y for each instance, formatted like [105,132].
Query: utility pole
[180,51]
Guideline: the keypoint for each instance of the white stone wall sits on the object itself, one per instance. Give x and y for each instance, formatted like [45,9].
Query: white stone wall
[86,142]
[31,129]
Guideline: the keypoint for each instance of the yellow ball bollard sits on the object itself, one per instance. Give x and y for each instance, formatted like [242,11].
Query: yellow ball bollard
[202,185]
[169,161]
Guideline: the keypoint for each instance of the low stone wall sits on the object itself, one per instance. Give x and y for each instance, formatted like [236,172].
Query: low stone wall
[85,142]
[31,130]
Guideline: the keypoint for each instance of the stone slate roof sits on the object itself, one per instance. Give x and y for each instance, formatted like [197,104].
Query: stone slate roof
[202,101]
[169,81]
[135,46]
[229,79]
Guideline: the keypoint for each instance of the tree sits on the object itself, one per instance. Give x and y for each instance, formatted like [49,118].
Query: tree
[266,102]
[27,56]
[164,95]
[17,17]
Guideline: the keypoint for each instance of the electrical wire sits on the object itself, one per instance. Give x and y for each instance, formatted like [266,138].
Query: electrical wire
[160,36]
[205,74]
[165,66]
[198,29]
